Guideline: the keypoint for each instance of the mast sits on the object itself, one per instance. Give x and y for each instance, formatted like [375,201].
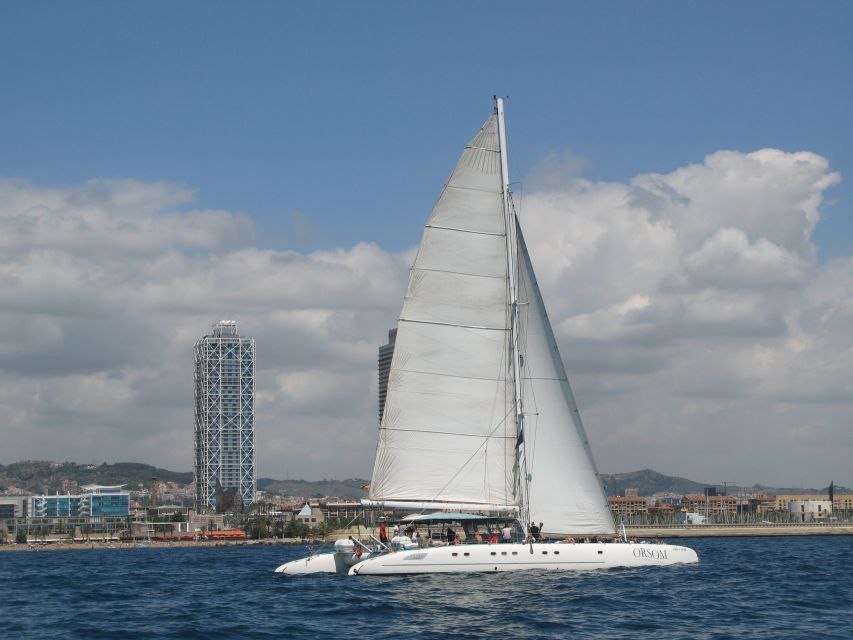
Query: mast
[512,270]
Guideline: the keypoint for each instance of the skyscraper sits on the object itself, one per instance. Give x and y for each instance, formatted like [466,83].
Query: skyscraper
[386,352]
[224,416]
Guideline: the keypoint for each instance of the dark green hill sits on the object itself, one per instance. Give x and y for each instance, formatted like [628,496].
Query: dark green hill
[350,488]
[648,482]
[42,476]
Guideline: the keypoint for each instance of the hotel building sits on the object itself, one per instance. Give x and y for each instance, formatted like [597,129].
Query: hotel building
[95,501]
[224,416]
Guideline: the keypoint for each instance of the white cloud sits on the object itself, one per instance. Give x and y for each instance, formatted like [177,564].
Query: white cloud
[107,286]
[728,260]
[700,331]
[701,334]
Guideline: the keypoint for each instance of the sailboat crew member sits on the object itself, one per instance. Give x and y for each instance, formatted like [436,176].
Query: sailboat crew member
[535,532]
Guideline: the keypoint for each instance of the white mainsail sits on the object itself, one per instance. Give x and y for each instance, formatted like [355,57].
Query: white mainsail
[449,429]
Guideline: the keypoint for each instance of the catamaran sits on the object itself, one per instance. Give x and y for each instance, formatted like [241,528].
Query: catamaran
[479,414]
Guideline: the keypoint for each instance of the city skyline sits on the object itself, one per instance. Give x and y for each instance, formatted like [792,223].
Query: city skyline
[683,175]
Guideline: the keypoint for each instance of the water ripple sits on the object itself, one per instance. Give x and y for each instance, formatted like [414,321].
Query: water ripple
[755,587]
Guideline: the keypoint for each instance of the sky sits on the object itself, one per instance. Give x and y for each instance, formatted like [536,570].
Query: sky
[684,178]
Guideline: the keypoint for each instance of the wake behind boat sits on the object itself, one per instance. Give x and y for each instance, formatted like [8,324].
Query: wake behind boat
[479,415]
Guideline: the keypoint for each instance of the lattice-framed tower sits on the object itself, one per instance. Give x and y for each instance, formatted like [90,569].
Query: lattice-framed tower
[224,416]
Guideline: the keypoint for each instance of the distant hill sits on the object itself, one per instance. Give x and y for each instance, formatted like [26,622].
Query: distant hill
[648,482]
[41,476]
[350,488]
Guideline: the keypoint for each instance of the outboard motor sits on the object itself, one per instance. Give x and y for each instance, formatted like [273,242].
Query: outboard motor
[348,553]
[402,543]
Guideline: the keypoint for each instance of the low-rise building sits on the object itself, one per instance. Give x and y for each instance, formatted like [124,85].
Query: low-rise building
[809,510]
[761,504]
[96,501]
[627,506]
[710,505]
[662,511]
[840,501]
[12,507]
[342,509]
[310,514]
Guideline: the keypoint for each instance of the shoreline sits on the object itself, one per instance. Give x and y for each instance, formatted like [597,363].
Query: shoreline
[152,544]
[739,530]
[635,531]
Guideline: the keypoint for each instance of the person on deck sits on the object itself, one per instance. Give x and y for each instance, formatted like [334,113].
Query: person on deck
[383,533]
[535,534]
[506,533]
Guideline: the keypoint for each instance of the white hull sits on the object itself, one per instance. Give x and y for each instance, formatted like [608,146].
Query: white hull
[494,558]
[333,562]
[320,563]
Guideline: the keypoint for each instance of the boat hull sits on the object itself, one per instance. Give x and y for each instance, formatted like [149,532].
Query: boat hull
[319,563]
[497,558]
[334,562]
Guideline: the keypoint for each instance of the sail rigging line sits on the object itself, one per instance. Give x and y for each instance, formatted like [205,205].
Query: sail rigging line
[479,233]
[454,433]
[510,225]
[459,188]
[486,439]
[448,375]
[461,273]
[532,399]
[452,324]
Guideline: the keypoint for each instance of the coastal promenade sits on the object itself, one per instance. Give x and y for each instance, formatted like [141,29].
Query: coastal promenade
[633,531]
[153,544]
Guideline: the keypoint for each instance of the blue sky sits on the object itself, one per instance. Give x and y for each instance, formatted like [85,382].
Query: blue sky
[697,308]
[350,113]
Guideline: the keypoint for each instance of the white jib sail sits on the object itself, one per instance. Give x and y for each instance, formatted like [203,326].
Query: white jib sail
[448,429]
[564,489]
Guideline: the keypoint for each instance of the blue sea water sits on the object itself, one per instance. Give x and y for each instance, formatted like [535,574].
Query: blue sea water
[742,588]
